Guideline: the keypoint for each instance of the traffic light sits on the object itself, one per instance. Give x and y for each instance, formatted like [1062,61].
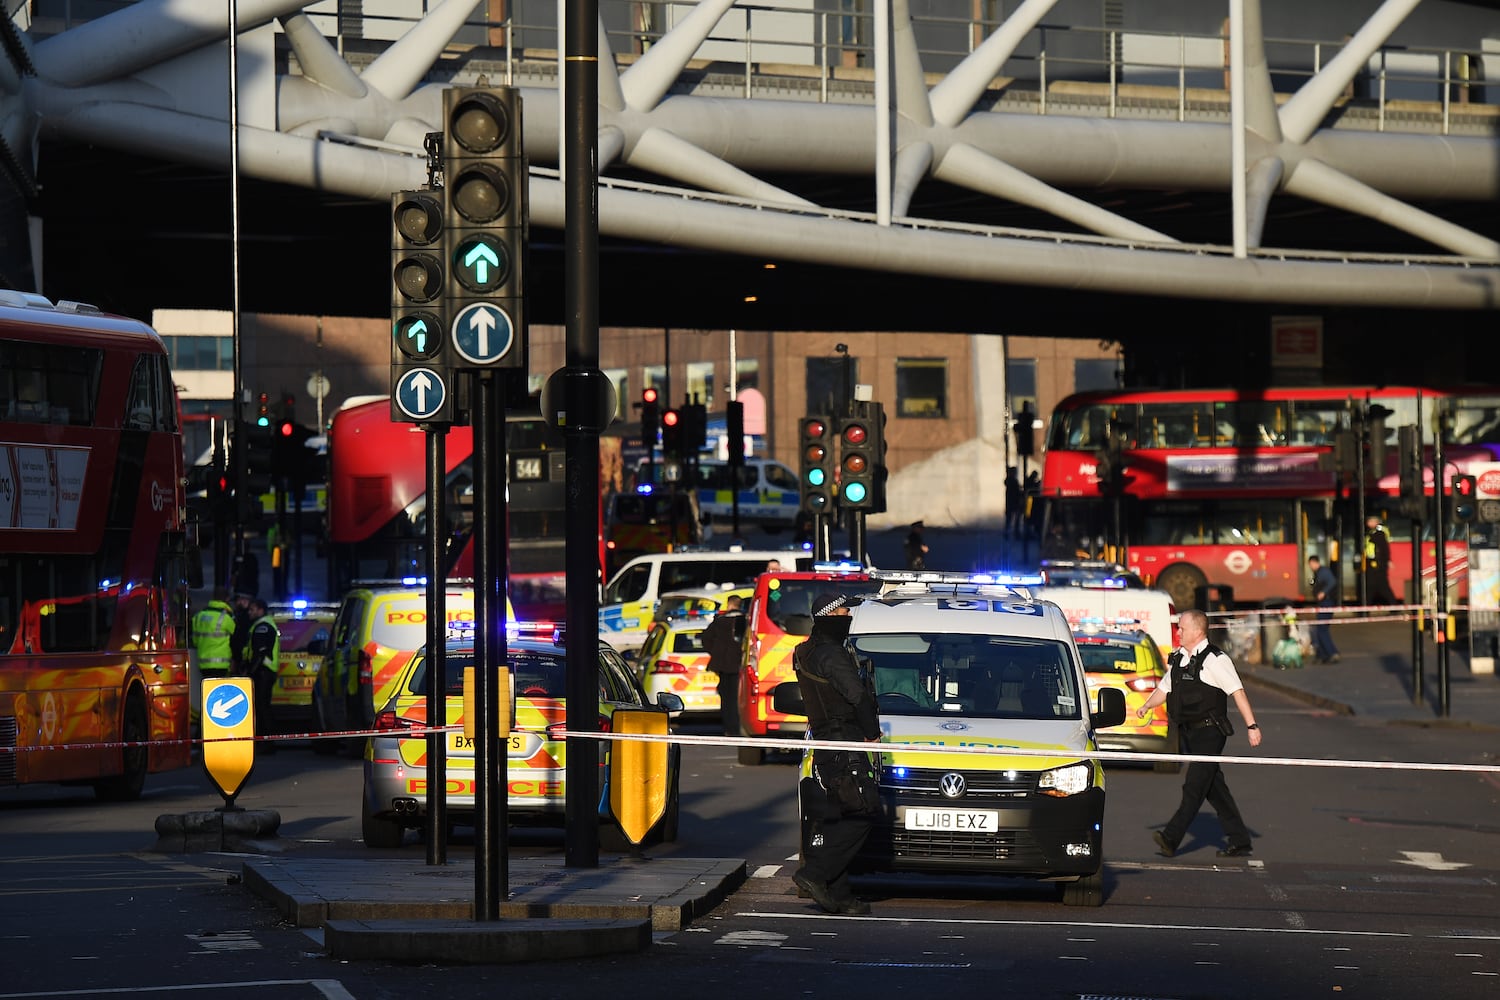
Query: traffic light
[263,411]
[485,192]
[671,433]
[418,329]
[259,455]
[815,445]
[1465,499]
[1025,436]
[856,462]
[877,457]
[734,422]
[650,417]
[694,427]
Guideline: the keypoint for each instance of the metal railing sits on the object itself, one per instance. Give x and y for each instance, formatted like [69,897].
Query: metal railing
[770,44]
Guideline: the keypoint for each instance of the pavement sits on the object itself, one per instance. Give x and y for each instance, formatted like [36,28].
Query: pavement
[404,910]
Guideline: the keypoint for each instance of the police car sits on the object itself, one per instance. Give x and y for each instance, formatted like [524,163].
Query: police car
[395,768]
[1119,654]
[965,663]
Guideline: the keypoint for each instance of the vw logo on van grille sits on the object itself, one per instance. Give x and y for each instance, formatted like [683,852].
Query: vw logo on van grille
[952,785]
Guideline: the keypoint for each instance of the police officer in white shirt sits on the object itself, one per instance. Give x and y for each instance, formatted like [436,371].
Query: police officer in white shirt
[1199,683]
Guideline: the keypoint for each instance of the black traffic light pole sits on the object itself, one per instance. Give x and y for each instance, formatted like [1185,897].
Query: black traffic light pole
[1440,532]
[435,688]
[581,348]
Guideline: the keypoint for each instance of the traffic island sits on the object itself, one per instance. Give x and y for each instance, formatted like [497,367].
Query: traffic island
[215,830]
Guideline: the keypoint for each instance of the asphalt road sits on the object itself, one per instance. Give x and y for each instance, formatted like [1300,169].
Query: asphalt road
[1374,883]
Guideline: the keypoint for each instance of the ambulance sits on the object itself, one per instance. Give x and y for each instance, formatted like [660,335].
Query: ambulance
[967,671]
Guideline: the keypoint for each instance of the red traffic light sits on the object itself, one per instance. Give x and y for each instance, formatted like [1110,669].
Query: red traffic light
[670,418]
[286,428]
[648,395]
[855,434]
[814,428]
[1464,486]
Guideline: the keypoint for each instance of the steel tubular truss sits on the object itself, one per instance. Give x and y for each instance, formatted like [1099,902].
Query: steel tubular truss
[151,78]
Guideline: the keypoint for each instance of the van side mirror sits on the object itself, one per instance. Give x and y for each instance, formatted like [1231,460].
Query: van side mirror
[1111,709]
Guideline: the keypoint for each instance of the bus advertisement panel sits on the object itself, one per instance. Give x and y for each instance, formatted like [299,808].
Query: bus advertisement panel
[1237,488]
[93,595]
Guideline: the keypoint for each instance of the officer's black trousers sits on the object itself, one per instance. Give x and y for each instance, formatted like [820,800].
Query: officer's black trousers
[833,841]
[1205,781]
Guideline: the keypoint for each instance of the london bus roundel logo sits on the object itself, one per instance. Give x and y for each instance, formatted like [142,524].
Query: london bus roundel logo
[1237,562]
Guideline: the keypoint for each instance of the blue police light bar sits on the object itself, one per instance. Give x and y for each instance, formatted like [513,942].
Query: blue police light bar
[414,581]
[839,566]
[299,604]
[645,489]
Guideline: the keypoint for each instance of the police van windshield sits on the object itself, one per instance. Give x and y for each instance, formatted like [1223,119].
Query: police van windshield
[977,676]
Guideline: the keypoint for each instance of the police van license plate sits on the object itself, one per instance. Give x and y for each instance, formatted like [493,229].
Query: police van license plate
[952,820]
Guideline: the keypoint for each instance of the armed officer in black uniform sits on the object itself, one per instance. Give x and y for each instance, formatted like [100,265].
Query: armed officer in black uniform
[1197,689]
[842,794]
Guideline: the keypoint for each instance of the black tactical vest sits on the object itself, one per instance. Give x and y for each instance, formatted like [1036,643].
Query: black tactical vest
[1192,699]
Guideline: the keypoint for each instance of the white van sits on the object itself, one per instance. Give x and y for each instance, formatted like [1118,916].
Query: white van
[971,665]
[769,493]
[631,596]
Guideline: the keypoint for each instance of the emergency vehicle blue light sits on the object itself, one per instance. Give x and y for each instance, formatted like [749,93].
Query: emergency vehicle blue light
[300,604]
[841,566]
[412,581]
[645,489]
[899,772]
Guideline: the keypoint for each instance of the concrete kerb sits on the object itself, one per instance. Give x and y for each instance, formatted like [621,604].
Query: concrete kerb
[490,942]
[1291,690]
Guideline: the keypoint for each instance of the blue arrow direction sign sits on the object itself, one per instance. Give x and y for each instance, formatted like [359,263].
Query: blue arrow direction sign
[227,706]
[421,393]
[482,333]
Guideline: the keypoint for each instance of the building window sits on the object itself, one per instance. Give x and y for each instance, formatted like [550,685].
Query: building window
[830,382]
[700,382]
[621,378]
[655,377]
[204,354]
[922,387]
[747,374]
[1094,373]
[1020,383]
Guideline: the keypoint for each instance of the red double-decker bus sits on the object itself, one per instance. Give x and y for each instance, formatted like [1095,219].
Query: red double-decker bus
[93,596]
[1238,487]
[377,503]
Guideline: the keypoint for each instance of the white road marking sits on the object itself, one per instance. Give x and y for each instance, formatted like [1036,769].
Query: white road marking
[1107,925]
[1431,860]
[766,871]
[330,988]
[759,939]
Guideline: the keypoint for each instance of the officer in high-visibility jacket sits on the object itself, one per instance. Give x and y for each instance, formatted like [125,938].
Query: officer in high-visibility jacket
[213,636]
[261,660]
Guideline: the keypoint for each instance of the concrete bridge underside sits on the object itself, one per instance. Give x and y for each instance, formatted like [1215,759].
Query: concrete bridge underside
[984,185]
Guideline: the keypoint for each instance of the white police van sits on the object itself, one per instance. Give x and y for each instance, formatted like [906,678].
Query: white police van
[768,492]
[630,598]
[964,664]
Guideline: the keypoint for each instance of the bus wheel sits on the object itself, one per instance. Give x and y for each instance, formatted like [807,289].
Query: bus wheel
[1182,583]
[126,786]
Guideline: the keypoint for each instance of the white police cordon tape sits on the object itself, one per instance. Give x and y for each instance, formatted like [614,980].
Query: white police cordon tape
[1119,756]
